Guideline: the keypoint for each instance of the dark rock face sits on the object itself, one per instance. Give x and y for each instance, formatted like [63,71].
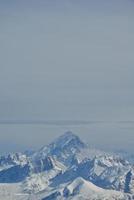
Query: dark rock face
[43,164]
[14,174]
[127,182]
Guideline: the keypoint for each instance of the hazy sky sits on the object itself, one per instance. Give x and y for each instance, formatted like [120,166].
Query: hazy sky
[66,60]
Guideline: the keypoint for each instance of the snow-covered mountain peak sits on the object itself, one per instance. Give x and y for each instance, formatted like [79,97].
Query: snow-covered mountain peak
[64,148]
[68,138]
[107,160]
[13,159]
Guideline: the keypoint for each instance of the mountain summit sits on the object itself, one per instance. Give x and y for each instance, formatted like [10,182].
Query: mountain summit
[69,139]
[64,148]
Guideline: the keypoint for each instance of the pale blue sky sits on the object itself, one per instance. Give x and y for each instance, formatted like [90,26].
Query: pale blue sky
[66,60]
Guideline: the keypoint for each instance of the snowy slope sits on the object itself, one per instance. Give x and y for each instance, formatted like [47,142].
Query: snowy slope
[82,189]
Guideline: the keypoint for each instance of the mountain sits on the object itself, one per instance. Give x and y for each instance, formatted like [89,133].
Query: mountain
[65,148]
[66,169]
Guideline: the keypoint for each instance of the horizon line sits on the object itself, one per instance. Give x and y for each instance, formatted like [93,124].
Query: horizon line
[61,122]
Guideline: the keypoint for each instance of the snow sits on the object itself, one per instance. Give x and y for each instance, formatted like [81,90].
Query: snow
[86,189]
[82,189]
[38,182]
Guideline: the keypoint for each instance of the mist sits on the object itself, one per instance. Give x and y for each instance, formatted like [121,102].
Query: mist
[66,60]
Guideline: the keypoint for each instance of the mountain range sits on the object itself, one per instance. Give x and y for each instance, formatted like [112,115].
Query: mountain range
[66,169]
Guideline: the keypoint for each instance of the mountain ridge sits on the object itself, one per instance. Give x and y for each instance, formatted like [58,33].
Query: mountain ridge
[49,172]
